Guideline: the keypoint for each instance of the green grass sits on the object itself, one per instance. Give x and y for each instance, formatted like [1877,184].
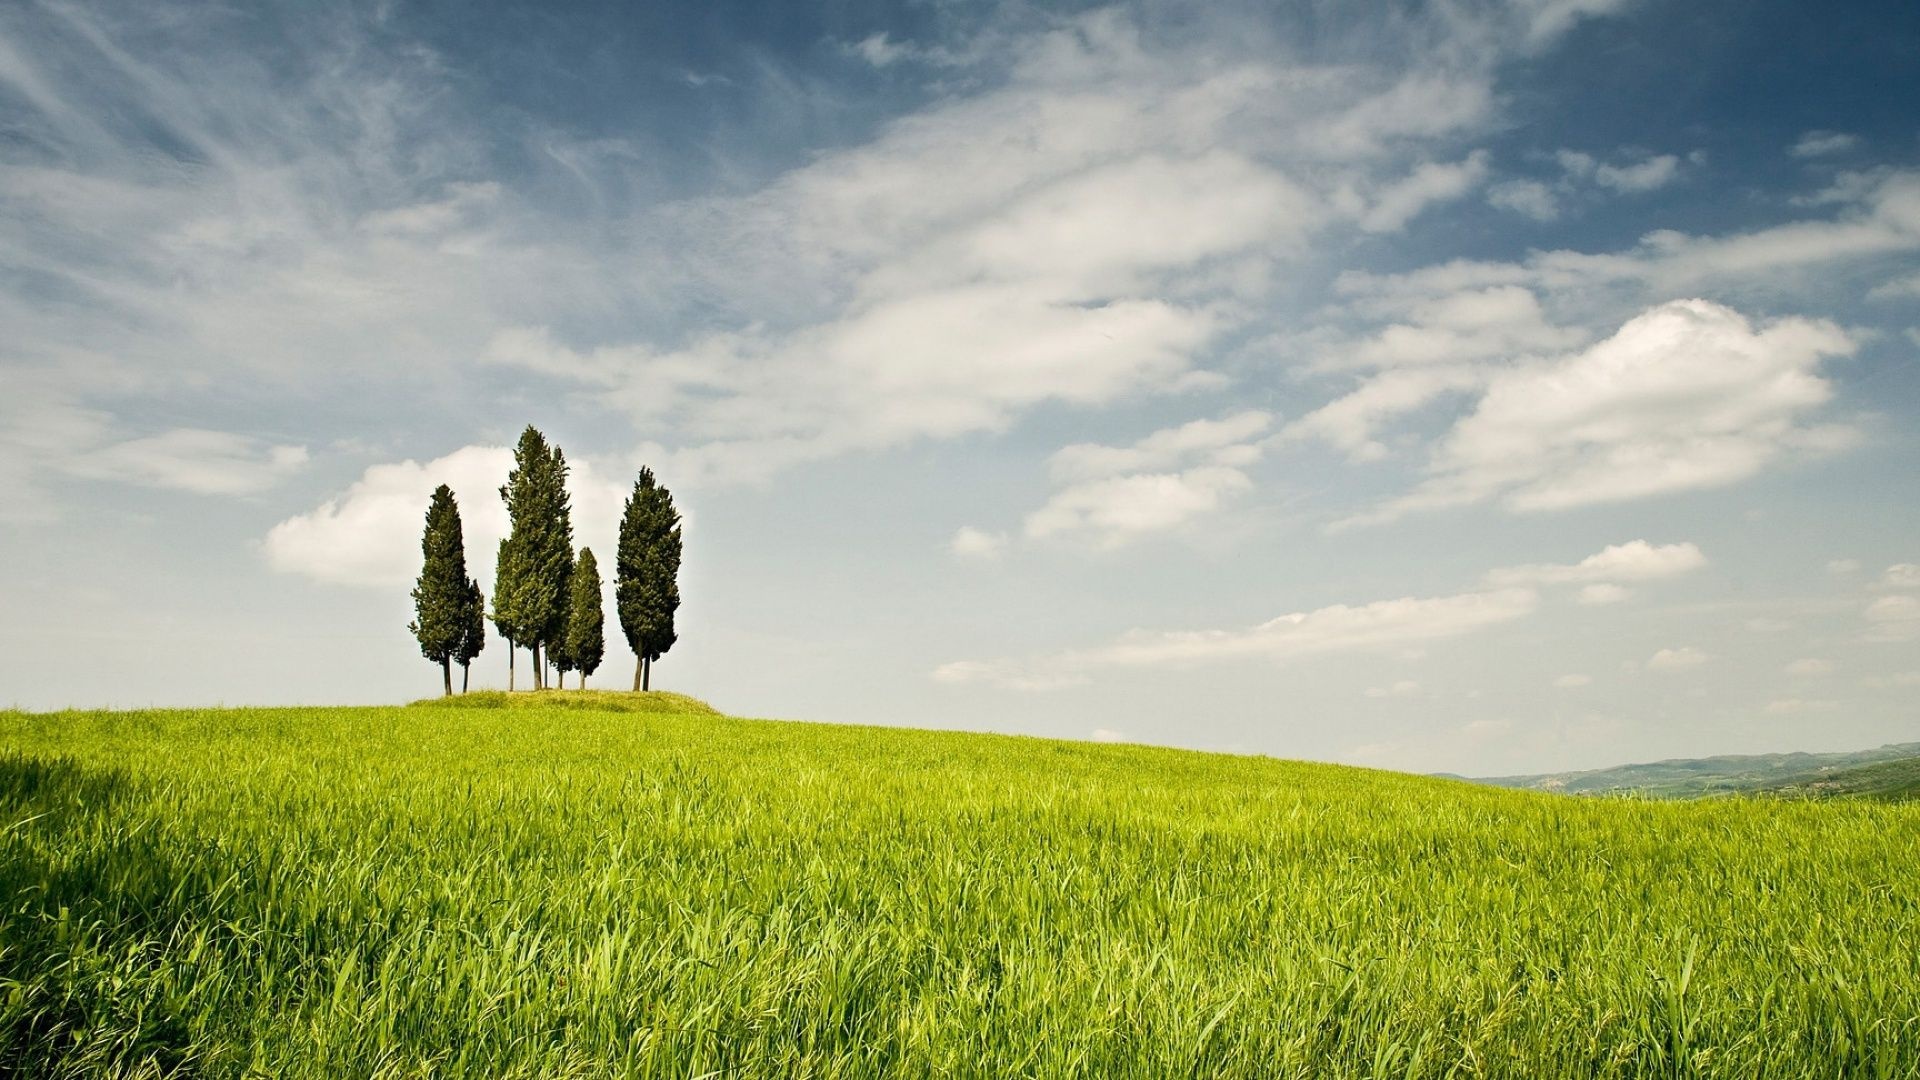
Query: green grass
[526,889]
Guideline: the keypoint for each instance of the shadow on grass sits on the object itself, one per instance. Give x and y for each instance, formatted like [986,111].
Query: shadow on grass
[89,907]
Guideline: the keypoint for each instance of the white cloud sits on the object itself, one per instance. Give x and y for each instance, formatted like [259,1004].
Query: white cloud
[1649,175]
[1823,143]
[1380,625]
[1601,594]
[1429,183]
[1893,618]
[1109,497]
[1789,706]
[1687,395]
[1901,576]
[1682,659]
[1842,567]
[1529,198]
[1121,508]
[1404,688]
[1809,667]
[192,460]
[1895,681]
[1572,682]
[972,543]
[1633,561]
[1108,735]
[370,534]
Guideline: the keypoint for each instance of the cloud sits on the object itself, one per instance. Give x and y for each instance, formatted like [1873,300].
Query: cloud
[1529,198]
[1111,495]
[192,460]
[1823,144]
[1572,682]
[1895,681]
[1404,688]
[1809,667]
[1686,395]
[1789,706]
[1649,175]
[1842,567]
[1429,183]
[1893,618]
[1601,594]
[1684,658]
[972,543]
[1767,626]
[369,535]
[1633,561]
[1383,624]
[1901,576]
[1107,735]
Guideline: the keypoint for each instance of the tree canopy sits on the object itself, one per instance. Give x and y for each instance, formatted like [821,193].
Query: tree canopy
[440,595]
[646,574]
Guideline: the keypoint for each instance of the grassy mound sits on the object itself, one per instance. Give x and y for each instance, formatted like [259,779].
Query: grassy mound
[546,890]
[652,701]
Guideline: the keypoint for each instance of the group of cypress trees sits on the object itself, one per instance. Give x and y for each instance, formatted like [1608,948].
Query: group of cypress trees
[545,597]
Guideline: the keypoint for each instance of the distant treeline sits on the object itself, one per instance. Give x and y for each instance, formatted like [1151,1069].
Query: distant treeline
[546,597]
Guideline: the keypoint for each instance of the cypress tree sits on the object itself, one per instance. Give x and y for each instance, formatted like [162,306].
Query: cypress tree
[529,590]
[473,630]
[440,594]
[586,623]
[646,574]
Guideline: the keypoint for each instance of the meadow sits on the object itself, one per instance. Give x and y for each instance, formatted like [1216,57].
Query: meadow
[622,885]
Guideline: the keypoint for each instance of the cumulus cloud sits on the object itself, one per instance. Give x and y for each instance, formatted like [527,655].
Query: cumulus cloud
[1112,495]
[1684,658]
[369,535]
[1383,624]
[1529,198]
[1633,561]
[1687,395]
[1430,183]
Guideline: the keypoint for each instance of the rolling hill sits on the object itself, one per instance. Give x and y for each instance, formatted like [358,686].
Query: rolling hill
[560,885]
[1695,777]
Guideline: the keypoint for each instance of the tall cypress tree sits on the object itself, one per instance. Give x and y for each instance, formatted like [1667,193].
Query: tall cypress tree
[647,574]
[529,591]
[586,623]
[473,630]
[440,594]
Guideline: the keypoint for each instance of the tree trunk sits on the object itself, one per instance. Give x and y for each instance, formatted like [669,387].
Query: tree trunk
[509,665]
[466,669]
[646,683]
[639,666]
[539,670]
[446,675]
[583,680]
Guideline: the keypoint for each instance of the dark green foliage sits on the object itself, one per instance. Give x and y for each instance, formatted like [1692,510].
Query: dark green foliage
[647,573]
[530,589]
[440,597]
[586,641]
[473,629]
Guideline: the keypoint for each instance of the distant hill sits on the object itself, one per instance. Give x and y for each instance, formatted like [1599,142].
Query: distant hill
[1685,778]
[1895,781]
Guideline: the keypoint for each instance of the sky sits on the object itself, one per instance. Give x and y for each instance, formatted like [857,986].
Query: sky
[1485,386]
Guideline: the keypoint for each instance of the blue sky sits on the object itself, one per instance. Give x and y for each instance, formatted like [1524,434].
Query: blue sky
[1483,387]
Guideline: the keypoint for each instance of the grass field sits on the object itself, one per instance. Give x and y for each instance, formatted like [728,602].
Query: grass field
[548,887]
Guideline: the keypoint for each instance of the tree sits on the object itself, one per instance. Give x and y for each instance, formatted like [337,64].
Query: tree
[473,630]
[586,623]
[555,635]
[646,574]
[440,594]
[529,589]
